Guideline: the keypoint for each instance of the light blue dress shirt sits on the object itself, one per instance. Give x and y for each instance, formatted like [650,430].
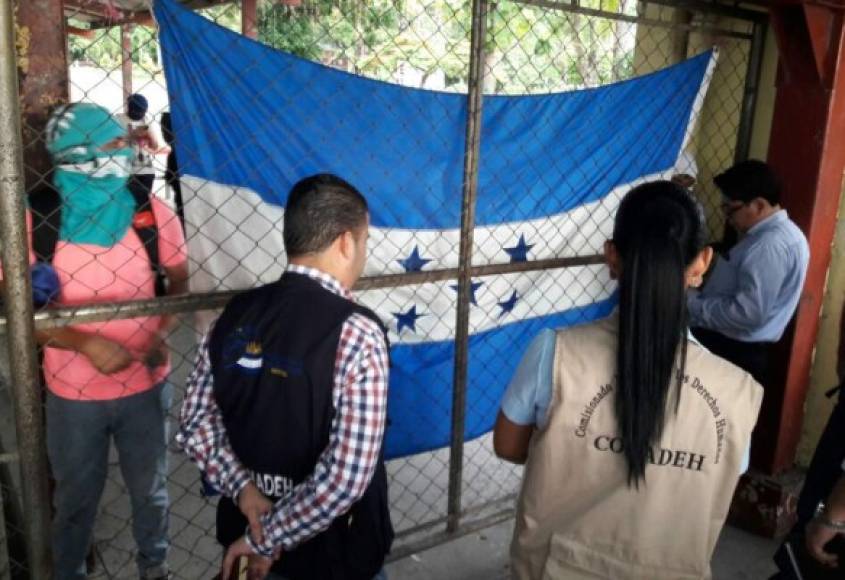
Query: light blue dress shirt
[529,394]
[752,295]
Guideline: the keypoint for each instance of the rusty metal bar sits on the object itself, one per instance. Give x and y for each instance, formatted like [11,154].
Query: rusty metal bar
[749,98]
[43,77]
[576,9]
[5,561]
[468,203]
[709,7]
[26,392]
[508,500]
[126,60]
[680,37]
[249,18]
[443,537]
[99,312]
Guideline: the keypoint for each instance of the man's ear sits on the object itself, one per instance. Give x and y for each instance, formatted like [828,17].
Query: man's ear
[760,205]
[700,264]
[346,245]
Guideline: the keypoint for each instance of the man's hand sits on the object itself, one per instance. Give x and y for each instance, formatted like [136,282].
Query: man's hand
[259,566]
[254,504]
[818,535]
[685,180]
[157,354]
[106,355]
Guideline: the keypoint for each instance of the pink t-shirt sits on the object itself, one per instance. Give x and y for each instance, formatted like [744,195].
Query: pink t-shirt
[89,274]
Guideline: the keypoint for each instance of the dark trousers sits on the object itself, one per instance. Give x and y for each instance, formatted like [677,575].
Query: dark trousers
[752,357]
[826,465]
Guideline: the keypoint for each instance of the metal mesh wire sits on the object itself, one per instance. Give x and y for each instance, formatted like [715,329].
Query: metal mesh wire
[531,47]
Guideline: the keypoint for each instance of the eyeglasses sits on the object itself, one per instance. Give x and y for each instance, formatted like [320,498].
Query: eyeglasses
[731,207]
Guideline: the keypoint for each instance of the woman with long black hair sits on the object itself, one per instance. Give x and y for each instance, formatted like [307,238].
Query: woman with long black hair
[633,436]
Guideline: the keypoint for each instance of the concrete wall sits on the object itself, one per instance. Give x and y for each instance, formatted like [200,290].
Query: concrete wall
[823,374]
[765,108]
[713,144]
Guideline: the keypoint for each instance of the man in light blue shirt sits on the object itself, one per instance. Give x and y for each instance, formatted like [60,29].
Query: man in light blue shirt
[753,290]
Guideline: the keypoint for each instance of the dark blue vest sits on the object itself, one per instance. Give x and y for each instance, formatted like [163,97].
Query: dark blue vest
[272,357]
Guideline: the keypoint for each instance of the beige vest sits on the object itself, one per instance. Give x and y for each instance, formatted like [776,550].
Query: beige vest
[578,519]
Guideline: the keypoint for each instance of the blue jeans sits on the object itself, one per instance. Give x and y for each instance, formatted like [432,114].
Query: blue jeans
[78,437]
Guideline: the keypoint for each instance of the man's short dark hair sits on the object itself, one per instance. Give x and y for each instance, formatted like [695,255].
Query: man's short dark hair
[319,209]
[748,180]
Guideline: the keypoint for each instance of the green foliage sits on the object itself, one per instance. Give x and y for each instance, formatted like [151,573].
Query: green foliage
[528,49]
[104,48]
[226,15]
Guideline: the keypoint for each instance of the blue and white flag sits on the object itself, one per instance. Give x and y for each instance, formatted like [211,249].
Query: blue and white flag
[250,121]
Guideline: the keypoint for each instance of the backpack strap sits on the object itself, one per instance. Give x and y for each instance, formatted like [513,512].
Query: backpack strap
[45,207]
[145,226]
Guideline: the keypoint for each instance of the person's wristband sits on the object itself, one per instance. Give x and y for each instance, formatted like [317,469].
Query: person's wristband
[823,520]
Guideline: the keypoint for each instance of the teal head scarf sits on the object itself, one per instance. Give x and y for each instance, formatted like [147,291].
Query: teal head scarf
[97,207]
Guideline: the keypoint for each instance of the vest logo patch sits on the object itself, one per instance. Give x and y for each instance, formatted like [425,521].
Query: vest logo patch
[243,352]
[284,367]
[251,359]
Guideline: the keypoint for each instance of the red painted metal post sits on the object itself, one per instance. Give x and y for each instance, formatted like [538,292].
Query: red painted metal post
[43,74]
[807,150]
[32,58]
[249,18]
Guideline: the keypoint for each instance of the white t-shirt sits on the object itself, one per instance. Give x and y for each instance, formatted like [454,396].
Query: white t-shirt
[142,160]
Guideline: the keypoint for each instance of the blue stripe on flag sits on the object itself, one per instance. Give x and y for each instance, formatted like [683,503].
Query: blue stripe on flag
[420,403]
[252,116]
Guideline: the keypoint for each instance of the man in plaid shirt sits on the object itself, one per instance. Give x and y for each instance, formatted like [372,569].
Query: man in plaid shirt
[286,407]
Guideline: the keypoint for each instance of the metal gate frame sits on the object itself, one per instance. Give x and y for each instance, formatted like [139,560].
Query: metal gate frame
[21,323]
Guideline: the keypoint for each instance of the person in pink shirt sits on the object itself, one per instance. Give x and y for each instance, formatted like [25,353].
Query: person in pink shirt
[107,381]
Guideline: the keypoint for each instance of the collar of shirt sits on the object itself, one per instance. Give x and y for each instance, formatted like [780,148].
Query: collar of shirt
[327,281]
[776,218]
[692,339]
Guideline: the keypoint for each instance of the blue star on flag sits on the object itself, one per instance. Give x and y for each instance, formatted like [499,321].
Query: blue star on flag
[508,305]
[407,319]
[414,262]
[473,287]
[519,253]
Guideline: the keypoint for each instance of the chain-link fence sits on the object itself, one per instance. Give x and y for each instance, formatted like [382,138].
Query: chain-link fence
[509,47]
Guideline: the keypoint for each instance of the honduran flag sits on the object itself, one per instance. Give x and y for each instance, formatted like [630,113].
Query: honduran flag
[250,121]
